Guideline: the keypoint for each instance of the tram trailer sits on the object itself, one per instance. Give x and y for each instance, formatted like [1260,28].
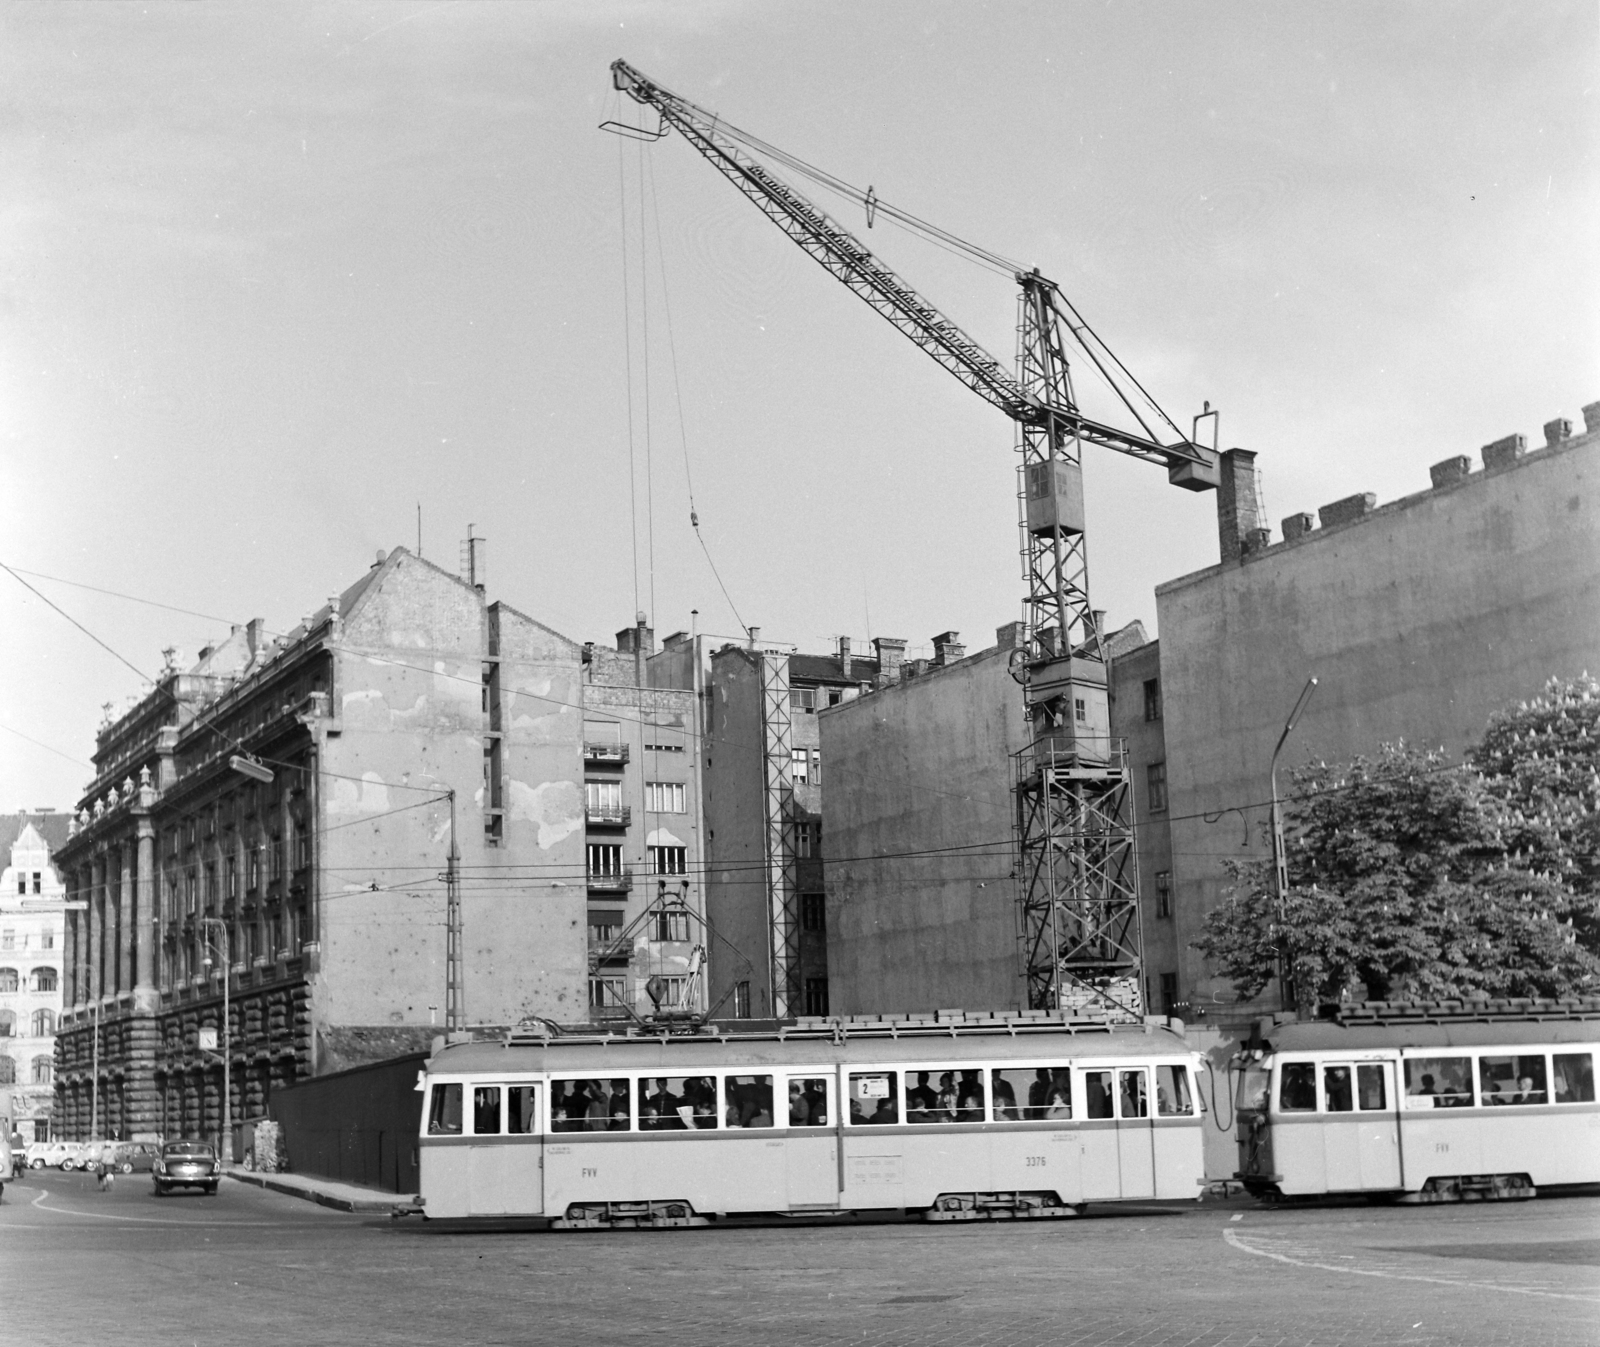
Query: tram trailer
[999,1117]
[1434,1101]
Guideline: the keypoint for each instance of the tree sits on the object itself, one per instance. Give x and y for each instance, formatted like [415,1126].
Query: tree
[1401,882]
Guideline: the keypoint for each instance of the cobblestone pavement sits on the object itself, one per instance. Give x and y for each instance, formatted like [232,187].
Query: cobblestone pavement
[78,1266]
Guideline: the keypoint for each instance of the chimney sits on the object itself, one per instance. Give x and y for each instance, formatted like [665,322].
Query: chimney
[1239,510]
[891,654]
[1557,430]
[1451,470]
[252,635]
[1012,636]
[1348,510]
[844,657]
[1297,526]
[755,638]
[638,639]
[1504,452]
[1591,418]
[947,648]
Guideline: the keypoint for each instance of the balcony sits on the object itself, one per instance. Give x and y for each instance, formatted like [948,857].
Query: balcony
[614,754]
[611,883]
[608,816]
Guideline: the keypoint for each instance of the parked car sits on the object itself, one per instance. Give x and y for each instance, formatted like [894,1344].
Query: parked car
[68,1156]
[132,1157]
[186,1164]
[34,1157]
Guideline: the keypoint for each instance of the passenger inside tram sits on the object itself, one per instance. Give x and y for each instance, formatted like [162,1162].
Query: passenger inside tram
[1574,1078]
[749,1101]
[444,1111]
[1005,1099]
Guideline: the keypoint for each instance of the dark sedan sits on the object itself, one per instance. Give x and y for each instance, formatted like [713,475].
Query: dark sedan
[186,1164]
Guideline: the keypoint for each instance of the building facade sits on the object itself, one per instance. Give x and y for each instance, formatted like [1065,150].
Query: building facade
[406,718]
[32,929]
[766,889]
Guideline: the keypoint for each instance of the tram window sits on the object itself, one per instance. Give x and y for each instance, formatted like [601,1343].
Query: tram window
[1574,1073]
[748,1101]
[1254,1086]
[1297,1088]
[678,1103]
[486,1110]
[1371,1089]
[808,1101]
[1172,1092]
[1098,1096]
[874,1098]
[1134,1095]
[523,1109]
[1032,1092]
[1513,1080]
[444,1111]
[1438,1082]
[1336,1089]
[943,1095]
[589,1105]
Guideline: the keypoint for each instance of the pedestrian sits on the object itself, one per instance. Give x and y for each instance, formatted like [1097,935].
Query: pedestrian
[105,1175]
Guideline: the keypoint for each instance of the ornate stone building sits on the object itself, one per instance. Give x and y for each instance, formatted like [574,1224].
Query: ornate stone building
[31,928]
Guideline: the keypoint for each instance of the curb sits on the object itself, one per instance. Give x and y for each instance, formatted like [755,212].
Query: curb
[310,1194]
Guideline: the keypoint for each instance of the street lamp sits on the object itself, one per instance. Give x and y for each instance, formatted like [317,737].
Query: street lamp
[1280,859]
[225,1150]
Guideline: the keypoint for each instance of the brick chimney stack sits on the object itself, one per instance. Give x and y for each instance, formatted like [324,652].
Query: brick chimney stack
[1241,523]
[891,654]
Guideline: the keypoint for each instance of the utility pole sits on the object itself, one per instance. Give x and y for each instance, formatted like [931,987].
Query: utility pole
[1280,857]
[94,1082]
[225,1150]
[455,1016]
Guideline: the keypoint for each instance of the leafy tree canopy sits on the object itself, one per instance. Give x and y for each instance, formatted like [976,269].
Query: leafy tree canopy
[1412,876]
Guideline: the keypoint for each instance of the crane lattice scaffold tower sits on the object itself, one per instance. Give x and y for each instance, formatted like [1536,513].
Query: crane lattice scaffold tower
[1078,881]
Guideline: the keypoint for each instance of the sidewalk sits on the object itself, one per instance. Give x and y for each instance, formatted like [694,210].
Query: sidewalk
[324,1192]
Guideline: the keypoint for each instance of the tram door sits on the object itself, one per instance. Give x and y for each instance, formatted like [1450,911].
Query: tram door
[1360,1127]
[505,1164]
[1136,1137]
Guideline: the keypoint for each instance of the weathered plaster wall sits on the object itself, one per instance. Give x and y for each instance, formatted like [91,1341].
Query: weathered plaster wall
[923,766]
[1419,620]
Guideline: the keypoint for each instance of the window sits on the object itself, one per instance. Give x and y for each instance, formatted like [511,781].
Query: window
[741,1000]
[669,860]
[747,1101]
[808,839]
[47,940]
[800,766]
[816,994]
[22,882]
[1512,1080]
[664,797]
[444,1110]
[605,860]
[874,1098]
[603,798]
[486,1110]
[942,1095]
[8,1023]
[1338,1089]
[604,927]
[1080,710]
[813,912]
[44,1023]
[8,979]
[43,1070]
[44,979]
[835,697]
[1438,1082]
[522,1109]
[808,1101]
[8,1070]
[1574,1075]
[607,994]
[1098,1096]
[816,767]
[1027,1093]
[670,925]
[1372,1089]
[1133,1097]
[230,867]
[1172,1092]
[38,879]
[803,699]
[599,1105]
[8,938]
[1152,699]
[1163,893]
[253,869]
[1297,1088]
[663,739]
[1155,776]
[1169,993]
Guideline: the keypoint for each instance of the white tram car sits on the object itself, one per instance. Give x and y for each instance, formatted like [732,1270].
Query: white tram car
[1008,1116]
[1423,1102]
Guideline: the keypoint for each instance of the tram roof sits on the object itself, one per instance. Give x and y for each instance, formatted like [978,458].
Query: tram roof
[1332,1036]
[896,1042]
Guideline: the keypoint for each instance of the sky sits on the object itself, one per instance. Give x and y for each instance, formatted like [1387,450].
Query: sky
[273,277]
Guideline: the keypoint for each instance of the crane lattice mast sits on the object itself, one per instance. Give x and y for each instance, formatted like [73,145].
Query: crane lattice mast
[1077,878]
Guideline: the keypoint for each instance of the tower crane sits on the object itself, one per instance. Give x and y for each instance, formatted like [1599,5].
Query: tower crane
[1077,876]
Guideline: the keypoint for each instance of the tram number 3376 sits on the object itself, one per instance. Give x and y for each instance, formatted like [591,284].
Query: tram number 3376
[1036,1162]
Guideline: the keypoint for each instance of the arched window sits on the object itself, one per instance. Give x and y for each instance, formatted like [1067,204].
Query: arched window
[8,979]
[44,1023]
[44,979]
[8,1071]
[43,1070]
[8,1024]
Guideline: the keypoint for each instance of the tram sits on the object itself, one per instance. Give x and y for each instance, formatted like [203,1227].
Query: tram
[960,1117]
[1421,1102]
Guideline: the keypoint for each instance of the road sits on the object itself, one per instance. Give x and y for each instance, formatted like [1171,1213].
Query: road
[78,1266]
